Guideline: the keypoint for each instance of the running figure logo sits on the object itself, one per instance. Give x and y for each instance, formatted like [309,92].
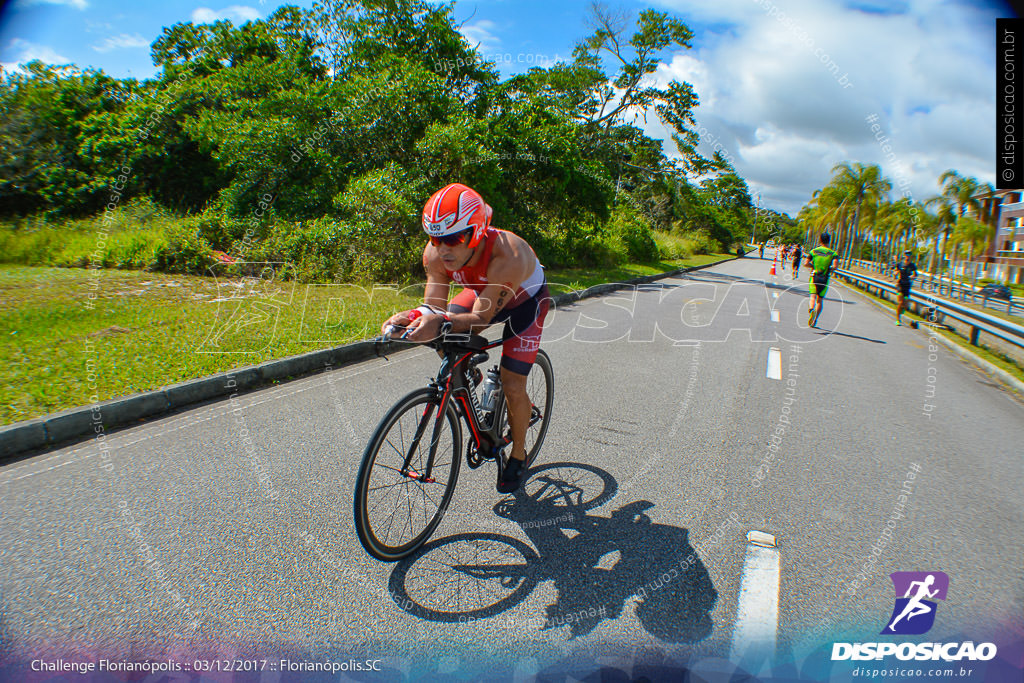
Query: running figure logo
[914,612]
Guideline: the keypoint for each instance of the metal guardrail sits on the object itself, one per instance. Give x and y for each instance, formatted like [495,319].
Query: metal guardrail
[940,285]
[937,309]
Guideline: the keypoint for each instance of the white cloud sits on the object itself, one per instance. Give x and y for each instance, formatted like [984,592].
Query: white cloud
[122,41]
[786,91]
[237,14]
[77,4]
[481,35]
[25,52]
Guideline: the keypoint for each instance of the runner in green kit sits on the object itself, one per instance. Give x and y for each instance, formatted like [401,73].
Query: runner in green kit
[821,259]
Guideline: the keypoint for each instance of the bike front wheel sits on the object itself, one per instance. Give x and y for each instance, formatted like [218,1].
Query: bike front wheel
[397,508]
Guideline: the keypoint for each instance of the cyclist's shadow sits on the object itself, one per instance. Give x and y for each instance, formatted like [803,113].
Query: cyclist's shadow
[597,563]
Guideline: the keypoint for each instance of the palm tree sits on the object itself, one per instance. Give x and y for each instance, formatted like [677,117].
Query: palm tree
[989,214]
[809,217]
[970,232]
[822,213]
[961,195]
[890,226]
[963,191]
[861,187]
[945,218]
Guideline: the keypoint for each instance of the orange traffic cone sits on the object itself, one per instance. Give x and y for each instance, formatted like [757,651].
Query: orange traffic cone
[772,271]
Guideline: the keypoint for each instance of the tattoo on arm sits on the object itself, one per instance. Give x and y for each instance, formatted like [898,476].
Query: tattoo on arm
[501,297]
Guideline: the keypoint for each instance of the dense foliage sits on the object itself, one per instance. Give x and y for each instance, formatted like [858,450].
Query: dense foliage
[315,136]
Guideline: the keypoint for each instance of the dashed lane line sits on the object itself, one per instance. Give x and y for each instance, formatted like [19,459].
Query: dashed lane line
[774,369]
[757,613]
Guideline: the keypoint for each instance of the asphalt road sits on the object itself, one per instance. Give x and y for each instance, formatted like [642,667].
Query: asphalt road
[227,530]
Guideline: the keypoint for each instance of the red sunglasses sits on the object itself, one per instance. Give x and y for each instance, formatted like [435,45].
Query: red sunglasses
[452,240]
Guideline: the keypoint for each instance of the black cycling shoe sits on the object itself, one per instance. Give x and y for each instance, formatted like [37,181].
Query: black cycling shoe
[512,475]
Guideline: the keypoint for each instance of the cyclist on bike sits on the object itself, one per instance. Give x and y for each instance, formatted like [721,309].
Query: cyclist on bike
[821,259]
[504,282]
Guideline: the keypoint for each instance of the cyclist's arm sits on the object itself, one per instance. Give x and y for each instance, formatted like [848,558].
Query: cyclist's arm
[504,275]
[435,294]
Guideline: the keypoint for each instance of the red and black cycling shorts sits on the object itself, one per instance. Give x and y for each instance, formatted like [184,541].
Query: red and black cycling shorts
[523,327]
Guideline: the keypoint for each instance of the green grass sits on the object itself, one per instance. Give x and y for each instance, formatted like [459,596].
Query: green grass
[131,238]
[70,336]
[142,330]
[568,279]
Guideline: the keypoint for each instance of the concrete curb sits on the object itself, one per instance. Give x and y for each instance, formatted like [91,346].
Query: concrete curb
[984,365]
[989,368]
[50,431]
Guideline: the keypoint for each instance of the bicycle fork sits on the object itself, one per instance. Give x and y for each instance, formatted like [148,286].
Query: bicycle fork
[438,424]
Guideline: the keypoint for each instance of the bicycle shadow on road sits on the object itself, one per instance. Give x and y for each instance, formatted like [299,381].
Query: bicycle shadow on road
[598,564]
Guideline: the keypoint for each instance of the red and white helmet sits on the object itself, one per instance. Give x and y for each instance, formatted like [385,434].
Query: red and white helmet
[455,208]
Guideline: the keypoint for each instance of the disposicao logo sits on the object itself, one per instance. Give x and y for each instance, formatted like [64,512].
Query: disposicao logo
[914,612]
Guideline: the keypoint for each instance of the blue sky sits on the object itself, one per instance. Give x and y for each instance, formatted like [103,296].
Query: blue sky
[786,86]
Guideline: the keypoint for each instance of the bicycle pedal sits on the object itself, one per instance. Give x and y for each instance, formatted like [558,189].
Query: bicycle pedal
[473,457]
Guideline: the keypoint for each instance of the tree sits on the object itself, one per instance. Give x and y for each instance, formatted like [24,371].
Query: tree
[961,196]
[861,187]
[48,116]
[610,100]
[971,233]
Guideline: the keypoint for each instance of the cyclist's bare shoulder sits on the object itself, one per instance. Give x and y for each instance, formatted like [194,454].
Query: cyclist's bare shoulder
[512,260]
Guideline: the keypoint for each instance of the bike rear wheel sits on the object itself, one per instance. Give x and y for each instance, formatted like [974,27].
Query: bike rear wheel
[395,512]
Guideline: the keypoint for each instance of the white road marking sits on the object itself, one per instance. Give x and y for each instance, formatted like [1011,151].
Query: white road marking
[775,295]
[774,364]
[757,614]
[761,538]
[775,316]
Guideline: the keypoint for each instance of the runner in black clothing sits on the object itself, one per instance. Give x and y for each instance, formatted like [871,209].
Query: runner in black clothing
[797,253]
[907,272]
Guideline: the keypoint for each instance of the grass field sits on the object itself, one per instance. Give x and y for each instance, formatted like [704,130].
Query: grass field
[71,336]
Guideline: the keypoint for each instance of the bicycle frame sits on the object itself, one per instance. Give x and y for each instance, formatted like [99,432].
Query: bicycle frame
[450,385]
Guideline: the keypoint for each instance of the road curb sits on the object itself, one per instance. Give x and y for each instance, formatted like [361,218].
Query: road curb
[984,365]
[73,424]
[988,367]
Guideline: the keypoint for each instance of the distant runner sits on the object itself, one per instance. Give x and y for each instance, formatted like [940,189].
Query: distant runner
[907,273]
[821,258]
[797,255]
